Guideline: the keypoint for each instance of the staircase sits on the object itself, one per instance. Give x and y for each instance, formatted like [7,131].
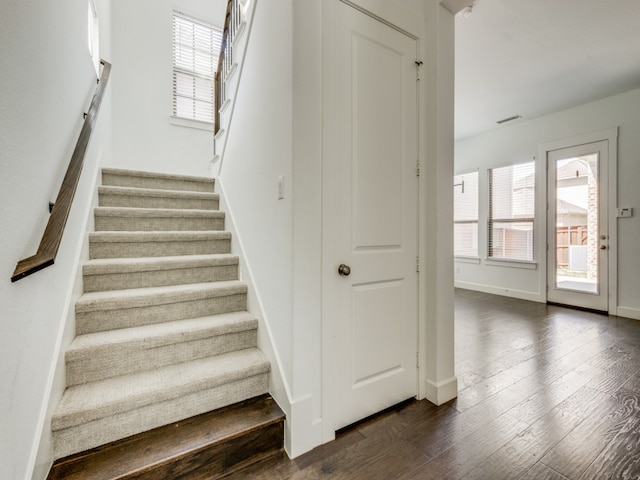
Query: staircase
[163,335]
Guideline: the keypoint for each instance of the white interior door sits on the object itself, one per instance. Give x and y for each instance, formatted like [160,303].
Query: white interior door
[577,226]
[370,214]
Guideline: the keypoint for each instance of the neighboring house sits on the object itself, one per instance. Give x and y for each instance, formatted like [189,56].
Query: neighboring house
[275,136]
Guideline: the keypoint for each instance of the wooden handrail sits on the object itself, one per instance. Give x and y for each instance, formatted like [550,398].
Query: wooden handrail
[48,248]
[224,60]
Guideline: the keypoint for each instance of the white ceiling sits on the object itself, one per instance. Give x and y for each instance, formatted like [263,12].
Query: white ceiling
[534,57]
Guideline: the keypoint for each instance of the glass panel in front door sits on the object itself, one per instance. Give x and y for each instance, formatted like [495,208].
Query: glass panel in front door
[577,224]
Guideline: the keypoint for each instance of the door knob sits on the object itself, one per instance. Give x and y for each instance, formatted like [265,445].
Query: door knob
[344,270]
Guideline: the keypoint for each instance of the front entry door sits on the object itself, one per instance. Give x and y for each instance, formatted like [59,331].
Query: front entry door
[370,214]
[578,244]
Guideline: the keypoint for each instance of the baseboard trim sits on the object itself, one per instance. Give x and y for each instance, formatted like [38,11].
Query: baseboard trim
[505,292]
[303,433]
[628,312]
[441,392]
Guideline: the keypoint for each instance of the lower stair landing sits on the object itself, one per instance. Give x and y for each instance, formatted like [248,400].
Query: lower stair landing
[206,446]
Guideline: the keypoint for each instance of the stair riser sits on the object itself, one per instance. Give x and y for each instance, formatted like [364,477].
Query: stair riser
[103,320]
[220,460]
[116,180]
[156,224]
[107,429]
[143,201]
[159,278]
[101,363]
[99,249]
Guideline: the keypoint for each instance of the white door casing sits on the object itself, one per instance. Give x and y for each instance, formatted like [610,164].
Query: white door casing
[370,199]
[589,286]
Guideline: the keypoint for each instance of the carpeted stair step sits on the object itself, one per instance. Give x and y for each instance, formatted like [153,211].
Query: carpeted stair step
[206,446]
[157,219]
[157,244]
[109,196]
[97,356]
[161,181]
[121,273]
[97,413]
[111,310]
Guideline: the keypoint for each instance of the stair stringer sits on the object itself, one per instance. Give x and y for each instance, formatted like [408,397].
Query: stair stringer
[279,388]
[302,431]
[57,379]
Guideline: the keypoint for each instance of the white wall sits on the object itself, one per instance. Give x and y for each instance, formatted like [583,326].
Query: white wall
[257,152]
[520,142]
[143,135]
[46,82]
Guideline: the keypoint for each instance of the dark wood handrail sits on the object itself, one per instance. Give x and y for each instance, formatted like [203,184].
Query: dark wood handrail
[48,248]
[223,62]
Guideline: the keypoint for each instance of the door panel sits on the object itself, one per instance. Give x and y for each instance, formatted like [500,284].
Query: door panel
[370,215]
[577,258]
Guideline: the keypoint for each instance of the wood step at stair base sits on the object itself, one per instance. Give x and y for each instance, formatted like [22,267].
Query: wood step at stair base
[116,274]
[116,309]
[93,414]
[206,446]
[152,198]
[157,244]
[102,355]
[157,219]
[164,181]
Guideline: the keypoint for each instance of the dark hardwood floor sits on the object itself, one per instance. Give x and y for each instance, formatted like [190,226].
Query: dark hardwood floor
[545,392]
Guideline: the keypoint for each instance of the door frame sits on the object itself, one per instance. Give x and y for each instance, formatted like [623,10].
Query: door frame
[329,408]
[611,137]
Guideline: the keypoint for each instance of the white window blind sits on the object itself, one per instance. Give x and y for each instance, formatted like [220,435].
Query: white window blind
[465,215]
[196,47]
[512,211]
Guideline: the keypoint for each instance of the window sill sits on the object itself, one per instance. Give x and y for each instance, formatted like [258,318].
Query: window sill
[473,260]
[187,122]
[495,262]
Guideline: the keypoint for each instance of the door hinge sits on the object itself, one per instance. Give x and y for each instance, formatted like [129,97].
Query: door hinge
[418,264]
[418,168]
[418,65]
[417,359]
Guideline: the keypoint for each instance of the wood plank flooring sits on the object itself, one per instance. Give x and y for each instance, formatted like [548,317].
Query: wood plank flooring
[545,392]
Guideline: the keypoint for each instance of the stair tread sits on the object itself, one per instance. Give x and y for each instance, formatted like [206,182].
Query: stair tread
[163,445]
[145,264]
[159,175]
[155,192]
[136,212]
[139,297]
[160,334]
[166,236]
[95,400]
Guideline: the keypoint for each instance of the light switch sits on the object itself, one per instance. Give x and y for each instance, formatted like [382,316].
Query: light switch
[280,187]
[624,212]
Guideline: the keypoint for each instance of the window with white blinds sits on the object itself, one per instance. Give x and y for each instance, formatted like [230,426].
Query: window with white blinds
[196,47]
[465,215]
[512,211]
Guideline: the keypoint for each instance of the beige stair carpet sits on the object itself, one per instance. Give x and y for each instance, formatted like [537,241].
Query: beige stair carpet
[162,328]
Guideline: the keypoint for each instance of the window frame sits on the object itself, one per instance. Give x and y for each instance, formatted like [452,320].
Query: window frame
[475,172]
[194,120]
[530,247]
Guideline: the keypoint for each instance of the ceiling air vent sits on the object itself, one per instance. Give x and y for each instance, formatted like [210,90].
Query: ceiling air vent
[509,119]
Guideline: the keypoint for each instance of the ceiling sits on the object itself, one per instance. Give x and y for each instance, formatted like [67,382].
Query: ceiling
[535,57]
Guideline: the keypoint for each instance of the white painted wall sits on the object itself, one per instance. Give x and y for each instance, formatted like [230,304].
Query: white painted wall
[143,136]
[47,81]
[257,152]
[520,142]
